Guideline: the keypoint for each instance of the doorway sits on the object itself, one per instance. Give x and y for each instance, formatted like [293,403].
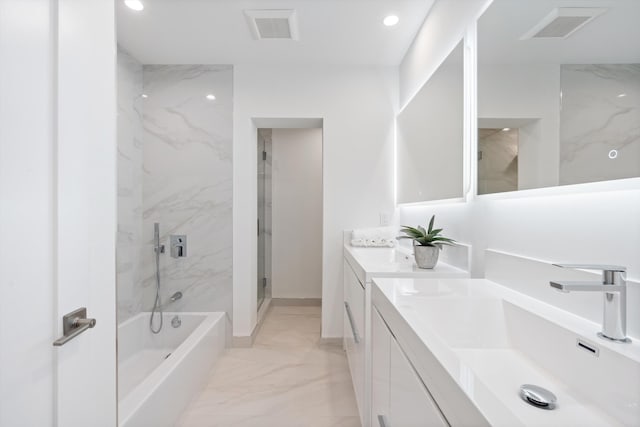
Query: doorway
[289,201]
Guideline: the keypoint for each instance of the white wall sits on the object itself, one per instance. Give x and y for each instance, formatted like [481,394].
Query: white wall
[297,213]
[26,214]
[358,108]
[590,223]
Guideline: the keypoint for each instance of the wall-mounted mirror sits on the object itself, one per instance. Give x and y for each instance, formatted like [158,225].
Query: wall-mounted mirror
[430,137]
[558,93]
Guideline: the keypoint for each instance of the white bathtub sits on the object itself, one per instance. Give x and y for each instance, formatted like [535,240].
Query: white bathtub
[158,375]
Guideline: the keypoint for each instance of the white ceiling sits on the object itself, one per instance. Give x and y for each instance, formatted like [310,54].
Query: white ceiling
[216,32]
[613,37]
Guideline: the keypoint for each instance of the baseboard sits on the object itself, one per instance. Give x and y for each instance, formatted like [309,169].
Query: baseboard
[242,342]
[247,341]
[306,302]
[333,341]
[262,312]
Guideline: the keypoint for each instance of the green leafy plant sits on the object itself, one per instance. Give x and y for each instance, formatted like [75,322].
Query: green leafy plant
[428,237]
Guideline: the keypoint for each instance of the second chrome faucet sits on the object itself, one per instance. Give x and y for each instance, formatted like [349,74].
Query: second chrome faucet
[614,289]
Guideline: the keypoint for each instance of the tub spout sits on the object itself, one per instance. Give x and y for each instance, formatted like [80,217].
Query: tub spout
[175,297]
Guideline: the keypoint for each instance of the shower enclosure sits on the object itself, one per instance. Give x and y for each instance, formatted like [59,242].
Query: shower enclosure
[174,187]
[264,215]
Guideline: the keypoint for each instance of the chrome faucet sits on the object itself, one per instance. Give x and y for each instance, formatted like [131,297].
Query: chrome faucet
[614,287]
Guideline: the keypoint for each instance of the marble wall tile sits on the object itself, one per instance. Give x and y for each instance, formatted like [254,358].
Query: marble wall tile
[175,168]
[600,112]
[187,183]
[128,254]
[498,160]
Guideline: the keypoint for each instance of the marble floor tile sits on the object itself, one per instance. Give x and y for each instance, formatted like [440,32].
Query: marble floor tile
[287,379]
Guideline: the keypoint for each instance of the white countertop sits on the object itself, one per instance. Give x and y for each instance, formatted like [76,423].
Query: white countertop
[393,262]
[491,339]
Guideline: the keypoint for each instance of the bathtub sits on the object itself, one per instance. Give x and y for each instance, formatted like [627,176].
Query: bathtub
[158,375]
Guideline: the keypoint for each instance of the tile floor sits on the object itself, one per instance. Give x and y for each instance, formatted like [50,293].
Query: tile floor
[287,379]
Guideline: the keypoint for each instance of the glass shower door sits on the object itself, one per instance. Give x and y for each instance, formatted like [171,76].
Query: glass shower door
[261,277]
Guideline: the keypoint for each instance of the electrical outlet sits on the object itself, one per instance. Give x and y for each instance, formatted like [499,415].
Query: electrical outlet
[384,218]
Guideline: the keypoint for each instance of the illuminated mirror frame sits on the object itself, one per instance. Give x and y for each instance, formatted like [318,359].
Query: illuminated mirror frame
[468,187]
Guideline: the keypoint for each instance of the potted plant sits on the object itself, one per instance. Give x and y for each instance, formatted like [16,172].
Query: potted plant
[426,243]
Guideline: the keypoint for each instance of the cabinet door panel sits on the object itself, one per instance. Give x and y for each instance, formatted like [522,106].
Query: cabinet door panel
[354,307]
[380,348]
[410,404]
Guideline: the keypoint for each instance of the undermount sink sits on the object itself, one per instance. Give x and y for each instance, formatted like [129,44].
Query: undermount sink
[482,331]
[469,323]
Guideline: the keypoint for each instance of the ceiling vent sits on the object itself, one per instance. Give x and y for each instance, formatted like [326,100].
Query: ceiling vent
[562,22]
[272,24]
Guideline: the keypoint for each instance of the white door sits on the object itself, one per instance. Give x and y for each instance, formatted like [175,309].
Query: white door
[57,211]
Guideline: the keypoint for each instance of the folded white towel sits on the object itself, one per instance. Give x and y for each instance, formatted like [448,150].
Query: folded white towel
[381,237]
[373,243]
[374,233]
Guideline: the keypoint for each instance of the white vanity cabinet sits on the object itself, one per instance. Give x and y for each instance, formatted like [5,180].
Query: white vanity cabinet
[361,265]
[399,398]
[410,404]
[354,328]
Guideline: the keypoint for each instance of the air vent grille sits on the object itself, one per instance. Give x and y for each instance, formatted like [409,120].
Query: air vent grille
[562,26]
[273,28]
[562,22]
[272,24]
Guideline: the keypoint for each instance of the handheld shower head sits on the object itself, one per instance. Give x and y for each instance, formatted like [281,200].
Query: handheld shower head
[157,247]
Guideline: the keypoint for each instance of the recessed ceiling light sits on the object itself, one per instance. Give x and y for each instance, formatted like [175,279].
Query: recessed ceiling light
[144,95]
[134,4]
[622,95]
[211,97]
[613,154]
[391,20]
[506,129]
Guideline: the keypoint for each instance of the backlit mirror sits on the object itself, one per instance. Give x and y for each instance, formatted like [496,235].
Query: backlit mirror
[430,137]
[558,93]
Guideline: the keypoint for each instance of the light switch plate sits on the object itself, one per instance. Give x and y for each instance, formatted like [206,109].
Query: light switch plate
[384,218]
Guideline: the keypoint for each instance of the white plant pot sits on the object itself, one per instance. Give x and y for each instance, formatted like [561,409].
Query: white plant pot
[426,256]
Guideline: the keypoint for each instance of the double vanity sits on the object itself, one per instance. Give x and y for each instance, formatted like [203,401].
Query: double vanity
[515,125]
[436,348]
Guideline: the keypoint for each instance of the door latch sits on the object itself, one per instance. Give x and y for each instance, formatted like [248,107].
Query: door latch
[73,324]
